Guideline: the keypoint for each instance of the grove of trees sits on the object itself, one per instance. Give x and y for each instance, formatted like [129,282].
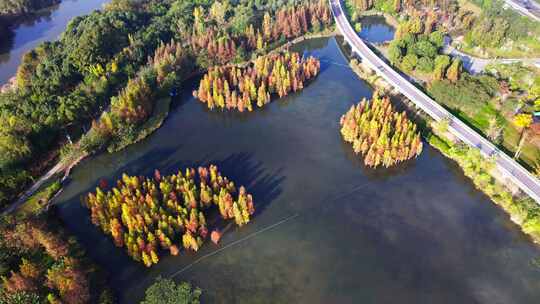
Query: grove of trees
[169,65]
[417,47]
[238,88]
[496,26]
[166,291]
[145,215]
[383,136]
[38,264]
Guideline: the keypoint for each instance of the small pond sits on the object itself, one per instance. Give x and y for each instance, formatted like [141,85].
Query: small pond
[375,29]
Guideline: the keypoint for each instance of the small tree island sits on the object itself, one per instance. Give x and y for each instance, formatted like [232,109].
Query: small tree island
[379,133]
[232,87]
[145,214]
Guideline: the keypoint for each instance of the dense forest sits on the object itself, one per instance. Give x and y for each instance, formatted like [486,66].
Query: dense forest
[101,60]
[237,88]
[417,47]
[40,264]
[148,214]
[383,136]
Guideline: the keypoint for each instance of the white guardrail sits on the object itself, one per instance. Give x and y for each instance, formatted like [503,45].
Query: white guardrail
[509,167]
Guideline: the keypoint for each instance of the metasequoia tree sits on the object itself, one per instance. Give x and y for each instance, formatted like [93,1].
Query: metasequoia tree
[380,134]
[145,215]
[239,88]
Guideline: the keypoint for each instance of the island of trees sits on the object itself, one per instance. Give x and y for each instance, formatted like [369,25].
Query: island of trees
[239,88]
[383,136]
[148,214]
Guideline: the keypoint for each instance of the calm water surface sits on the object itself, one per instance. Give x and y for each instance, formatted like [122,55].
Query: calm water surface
[376,30]
[327,230]
[47,26]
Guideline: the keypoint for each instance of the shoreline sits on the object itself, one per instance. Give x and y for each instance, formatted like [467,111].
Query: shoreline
[500,190]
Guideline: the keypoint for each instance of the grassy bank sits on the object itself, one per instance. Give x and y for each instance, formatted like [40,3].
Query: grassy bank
[524,211]
[40,198]
[152,124]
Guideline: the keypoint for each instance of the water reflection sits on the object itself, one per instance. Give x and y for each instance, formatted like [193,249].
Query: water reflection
[46,25]
[376,30]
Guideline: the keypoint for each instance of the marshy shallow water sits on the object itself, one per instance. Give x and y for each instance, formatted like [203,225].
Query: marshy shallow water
[327,230]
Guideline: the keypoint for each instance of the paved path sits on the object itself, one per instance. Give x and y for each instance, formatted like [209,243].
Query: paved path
[510,168]
[28,193]
[527,8]
[475,65]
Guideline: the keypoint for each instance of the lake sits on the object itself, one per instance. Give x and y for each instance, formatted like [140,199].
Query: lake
[327,229]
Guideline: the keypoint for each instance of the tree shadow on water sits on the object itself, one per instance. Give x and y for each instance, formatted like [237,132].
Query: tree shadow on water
[376,174]
[241,168]
[244,170]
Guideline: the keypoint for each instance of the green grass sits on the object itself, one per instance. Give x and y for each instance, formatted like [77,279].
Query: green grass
[511,136]
[530,153]
[482,117]
[41,197]
[152,124]
[523,48]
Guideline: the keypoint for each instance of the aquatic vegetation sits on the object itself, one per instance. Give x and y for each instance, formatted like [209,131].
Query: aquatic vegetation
[232,87]
[148,214]
[379,133]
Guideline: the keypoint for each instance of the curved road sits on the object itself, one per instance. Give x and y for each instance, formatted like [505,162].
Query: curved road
[510,168]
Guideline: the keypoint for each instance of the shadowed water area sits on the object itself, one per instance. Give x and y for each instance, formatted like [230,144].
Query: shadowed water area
[46,25]
[326,230]
[376,30]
